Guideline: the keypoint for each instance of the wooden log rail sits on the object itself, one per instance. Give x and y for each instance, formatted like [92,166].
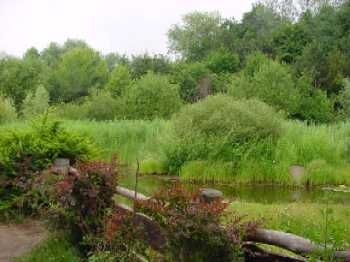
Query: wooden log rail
[296,244]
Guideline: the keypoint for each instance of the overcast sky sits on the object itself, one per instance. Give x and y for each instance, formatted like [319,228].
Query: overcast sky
[123,26]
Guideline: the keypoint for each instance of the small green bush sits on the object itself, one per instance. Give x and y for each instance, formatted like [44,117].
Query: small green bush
[35,103]
[34,148]
[102,106]
[120,80]
[219,127]
[7,111]
[152,96]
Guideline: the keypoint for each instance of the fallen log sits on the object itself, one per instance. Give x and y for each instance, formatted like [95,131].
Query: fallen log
[131,194]
[291,242]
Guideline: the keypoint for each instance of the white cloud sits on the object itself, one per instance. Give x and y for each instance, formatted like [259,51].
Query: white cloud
[124,26]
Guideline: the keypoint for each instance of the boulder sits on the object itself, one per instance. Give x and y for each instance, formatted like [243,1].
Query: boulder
[210,194]
[61,166]
[297,173]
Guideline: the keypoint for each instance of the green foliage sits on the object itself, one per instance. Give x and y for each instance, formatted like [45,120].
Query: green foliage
[119,81]
[17,78]
[222,61]
[289,42]
[152,96]
[187,76]
[314,103]
[35,103]
[79,71]
[33,149]
[54,249]
[198,34]
[7,111]
[256,29]
[267,81]
[344,100]
[220,127]
[141,64]
[102,106]
[72,110]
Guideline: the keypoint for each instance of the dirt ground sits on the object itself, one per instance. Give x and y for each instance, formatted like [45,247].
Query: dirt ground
[16,240]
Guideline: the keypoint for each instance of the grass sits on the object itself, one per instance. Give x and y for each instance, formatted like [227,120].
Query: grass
[305,219]
[54,249]
[323,151]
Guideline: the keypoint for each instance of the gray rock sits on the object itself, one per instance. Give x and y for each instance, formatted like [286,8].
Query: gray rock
[297,172]
[61,166]
[209,194]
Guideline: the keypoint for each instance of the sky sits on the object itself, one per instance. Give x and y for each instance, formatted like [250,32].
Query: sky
[123,26]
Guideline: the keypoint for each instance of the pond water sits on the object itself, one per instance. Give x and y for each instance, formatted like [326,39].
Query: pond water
[258,194]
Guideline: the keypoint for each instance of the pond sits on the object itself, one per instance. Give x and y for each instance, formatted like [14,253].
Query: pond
[258,194]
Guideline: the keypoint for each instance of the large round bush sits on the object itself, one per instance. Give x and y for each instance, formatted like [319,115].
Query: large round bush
[219,127]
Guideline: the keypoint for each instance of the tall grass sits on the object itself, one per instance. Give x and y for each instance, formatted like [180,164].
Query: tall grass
[130,139]
[322,150]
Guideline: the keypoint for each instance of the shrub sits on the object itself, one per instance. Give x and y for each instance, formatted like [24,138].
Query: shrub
[120,80]
[193,226]
[187,77]
[222,61]
[35,103]
[344,100]
[7,111]
[84,197]
[34,148]
[152,96]
[24,153]
[102,106]
[269,82]
[219,127]
[314,104]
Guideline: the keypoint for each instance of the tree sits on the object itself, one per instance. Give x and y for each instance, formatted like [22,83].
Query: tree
[289,42]
[152,96]
[36,102]
[269,82]
[141,64]
[187,76]
[52,54]
[115,59]
[222,61]
[197,35]
[17,79]
[257,28]
[119,81]
[7,111]
[79,71]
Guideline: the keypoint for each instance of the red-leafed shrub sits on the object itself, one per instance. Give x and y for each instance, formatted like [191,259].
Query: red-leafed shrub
[193,228]
[85,196]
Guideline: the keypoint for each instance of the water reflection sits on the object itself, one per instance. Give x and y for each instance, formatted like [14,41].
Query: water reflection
[258,194]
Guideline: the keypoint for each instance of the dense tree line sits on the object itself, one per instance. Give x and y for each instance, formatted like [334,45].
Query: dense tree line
[293,55]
